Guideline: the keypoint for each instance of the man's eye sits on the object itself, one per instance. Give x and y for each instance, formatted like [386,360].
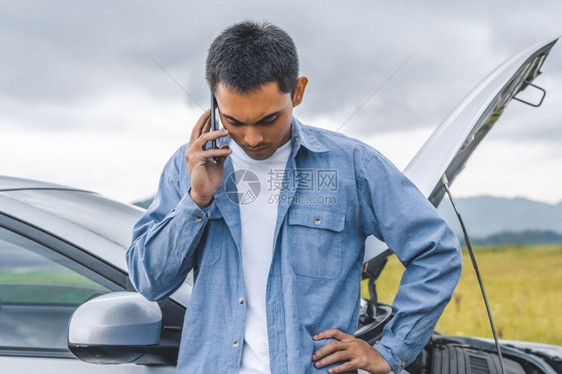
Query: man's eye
[270,121]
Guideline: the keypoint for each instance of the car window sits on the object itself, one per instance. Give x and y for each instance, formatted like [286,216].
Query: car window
[39,290]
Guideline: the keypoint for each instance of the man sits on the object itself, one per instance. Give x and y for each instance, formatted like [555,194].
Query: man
[273,223]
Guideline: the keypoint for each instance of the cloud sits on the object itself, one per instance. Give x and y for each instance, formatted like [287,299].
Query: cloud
[74,73]
[65,52]
[122,162]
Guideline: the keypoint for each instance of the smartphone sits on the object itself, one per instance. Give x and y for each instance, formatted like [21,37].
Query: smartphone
[214,125]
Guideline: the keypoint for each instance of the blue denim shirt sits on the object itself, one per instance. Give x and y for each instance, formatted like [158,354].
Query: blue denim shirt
[336,191]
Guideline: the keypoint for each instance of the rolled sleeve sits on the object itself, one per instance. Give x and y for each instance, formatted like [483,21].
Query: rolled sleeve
[395,353]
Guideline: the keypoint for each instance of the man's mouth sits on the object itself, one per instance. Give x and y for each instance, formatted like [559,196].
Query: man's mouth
[256,150]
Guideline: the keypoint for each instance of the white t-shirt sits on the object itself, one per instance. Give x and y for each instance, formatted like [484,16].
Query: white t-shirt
[258,216]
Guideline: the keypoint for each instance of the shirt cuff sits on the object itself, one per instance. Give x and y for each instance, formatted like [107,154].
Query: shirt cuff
[394,352]
[187,206]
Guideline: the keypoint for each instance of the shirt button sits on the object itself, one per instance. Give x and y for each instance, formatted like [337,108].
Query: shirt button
[403,364]
[198,219]
[317,221]
[241,300]
[235,344]
[208,214]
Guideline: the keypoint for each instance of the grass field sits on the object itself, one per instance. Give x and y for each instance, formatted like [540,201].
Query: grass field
[524,287]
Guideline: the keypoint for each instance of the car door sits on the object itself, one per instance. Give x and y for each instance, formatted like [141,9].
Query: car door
[40,287]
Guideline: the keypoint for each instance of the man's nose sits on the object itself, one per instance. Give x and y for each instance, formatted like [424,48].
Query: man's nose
[253,136]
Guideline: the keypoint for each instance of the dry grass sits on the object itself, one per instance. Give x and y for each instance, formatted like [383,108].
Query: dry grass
[524,287]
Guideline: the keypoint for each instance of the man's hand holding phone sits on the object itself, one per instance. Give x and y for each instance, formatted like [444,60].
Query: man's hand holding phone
[205,167]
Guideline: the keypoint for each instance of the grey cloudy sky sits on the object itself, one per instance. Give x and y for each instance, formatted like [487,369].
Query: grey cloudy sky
[82,103]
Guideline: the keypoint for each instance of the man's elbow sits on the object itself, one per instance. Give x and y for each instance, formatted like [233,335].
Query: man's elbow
[141,280]
[152,294]
[456,259]
[147,288]
[448,250]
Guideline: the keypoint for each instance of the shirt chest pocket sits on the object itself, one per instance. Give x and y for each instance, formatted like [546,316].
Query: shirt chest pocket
[316,241]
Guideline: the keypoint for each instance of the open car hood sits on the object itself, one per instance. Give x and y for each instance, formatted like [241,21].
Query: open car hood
[451,144]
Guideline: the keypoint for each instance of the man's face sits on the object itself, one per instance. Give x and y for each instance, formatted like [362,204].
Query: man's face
[260,121]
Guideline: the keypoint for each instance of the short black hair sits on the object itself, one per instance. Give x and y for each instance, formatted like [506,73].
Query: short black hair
[248,54]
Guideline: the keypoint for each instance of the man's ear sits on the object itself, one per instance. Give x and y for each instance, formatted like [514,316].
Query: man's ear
[299,90]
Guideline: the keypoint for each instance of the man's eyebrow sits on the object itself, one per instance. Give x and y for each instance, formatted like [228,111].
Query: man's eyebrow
[263,119]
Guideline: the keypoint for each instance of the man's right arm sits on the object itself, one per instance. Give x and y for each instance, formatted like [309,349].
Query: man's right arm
[165,237]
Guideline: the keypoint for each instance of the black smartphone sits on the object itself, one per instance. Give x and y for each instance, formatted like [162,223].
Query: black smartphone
[214,125]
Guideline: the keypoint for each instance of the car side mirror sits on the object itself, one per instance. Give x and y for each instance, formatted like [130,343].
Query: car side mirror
[117,328]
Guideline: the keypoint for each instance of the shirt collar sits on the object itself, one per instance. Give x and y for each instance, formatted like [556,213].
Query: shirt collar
[302,136]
